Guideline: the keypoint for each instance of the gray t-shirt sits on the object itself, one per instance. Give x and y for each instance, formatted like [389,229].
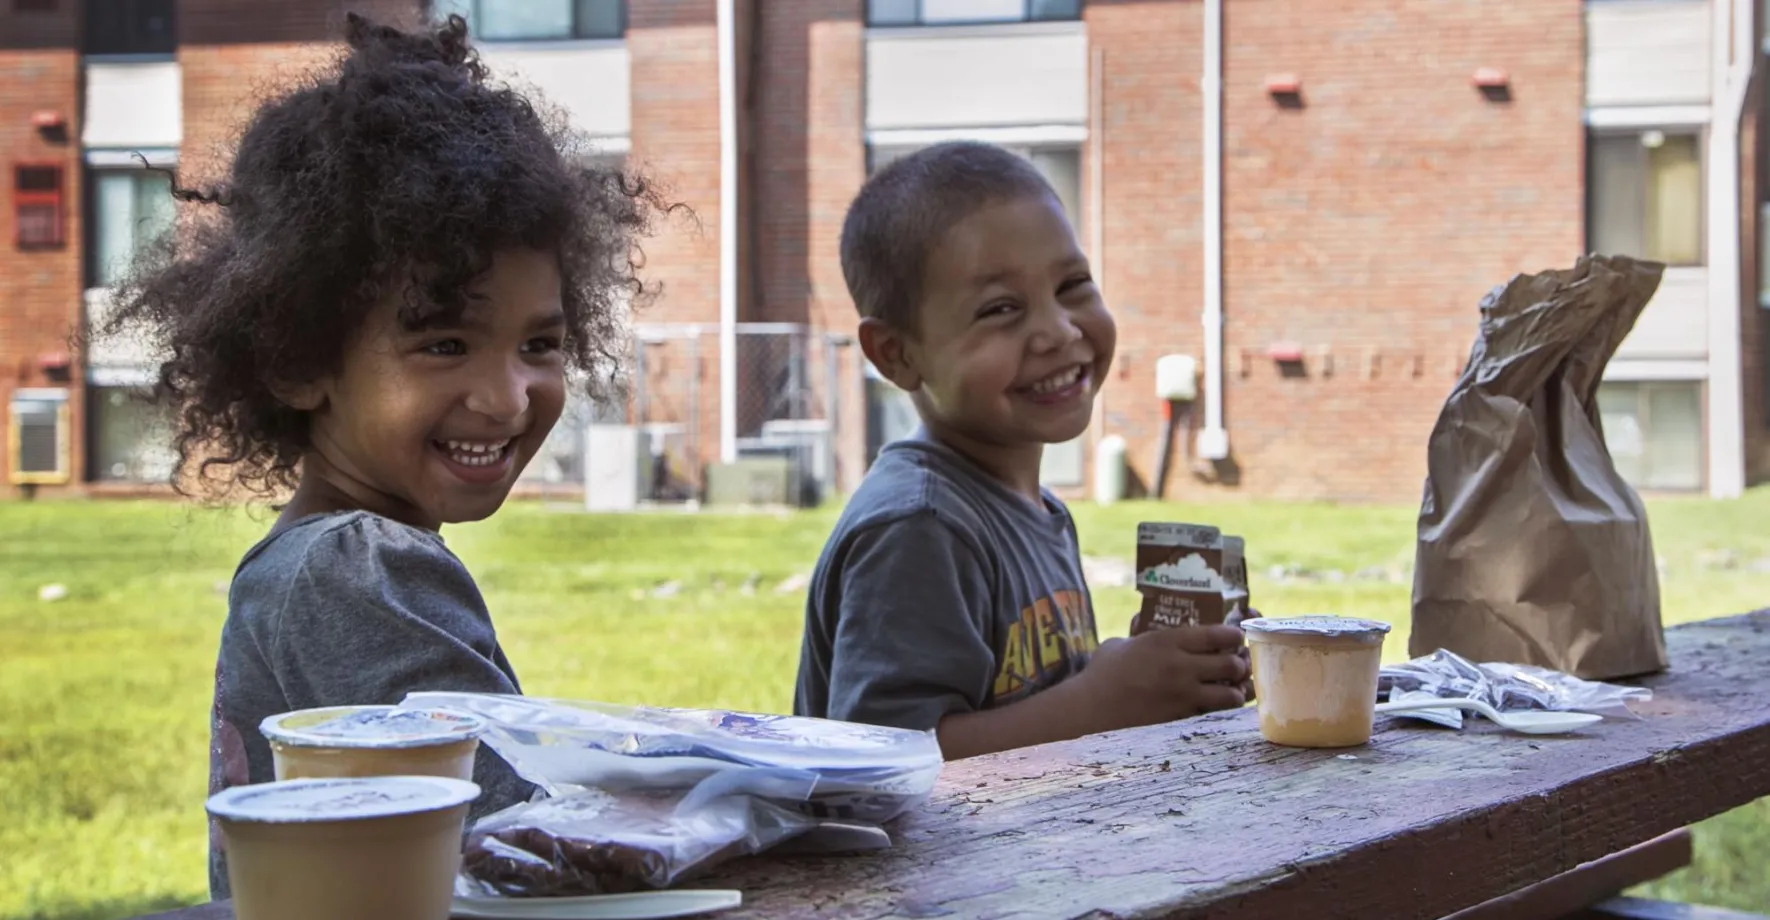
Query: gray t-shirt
[340,610]
[941,591]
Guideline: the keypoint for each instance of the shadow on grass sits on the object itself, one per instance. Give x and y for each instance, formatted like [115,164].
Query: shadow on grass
[114,909]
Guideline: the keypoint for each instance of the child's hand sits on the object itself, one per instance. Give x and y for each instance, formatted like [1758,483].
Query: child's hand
[1165,674]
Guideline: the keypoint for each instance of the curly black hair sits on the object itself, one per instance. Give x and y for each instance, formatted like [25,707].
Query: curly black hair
[401,167]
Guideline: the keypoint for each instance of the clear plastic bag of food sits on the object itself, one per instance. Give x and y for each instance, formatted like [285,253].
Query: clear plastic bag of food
[1506,687]
[822,768]
[596,842]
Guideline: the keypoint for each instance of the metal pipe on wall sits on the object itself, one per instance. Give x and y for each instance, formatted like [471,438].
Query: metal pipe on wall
[726,32]
[1213,439]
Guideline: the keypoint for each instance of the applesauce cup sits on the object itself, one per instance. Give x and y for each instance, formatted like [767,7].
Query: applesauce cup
[368,848]
[1315,678]
[345,741]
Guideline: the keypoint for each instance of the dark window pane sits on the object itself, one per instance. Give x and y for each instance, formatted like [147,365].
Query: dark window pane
[891,12]
[1056,9]
[130,27]
[601,19]
[514,20]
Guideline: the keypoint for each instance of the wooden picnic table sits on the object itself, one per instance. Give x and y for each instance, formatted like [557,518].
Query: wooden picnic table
[1203,819]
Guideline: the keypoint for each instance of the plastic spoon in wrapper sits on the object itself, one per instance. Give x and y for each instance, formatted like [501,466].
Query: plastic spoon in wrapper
[645,905]
[1526,723]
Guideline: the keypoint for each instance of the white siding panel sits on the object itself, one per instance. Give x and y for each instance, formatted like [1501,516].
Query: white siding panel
[1647,52]
[134,105]
[1675,324]
[938,78]
[590,81]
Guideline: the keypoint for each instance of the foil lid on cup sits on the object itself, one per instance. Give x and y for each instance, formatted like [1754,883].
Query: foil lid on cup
[1325,626]
[379,727]
[300,801]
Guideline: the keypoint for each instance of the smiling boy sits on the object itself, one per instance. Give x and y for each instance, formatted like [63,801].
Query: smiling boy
[950,595]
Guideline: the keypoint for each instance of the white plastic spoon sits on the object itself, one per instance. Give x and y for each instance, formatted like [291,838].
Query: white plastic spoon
[1527,723]
[646,905]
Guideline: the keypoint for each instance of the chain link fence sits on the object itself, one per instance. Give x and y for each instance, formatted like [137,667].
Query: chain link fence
[792,390]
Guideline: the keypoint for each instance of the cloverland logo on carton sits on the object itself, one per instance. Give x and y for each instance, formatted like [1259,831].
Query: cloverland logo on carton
[1180,575]
[1191,572]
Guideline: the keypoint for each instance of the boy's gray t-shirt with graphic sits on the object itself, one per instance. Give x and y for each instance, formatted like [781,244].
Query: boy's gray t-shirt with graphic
[341,610]
[941,591]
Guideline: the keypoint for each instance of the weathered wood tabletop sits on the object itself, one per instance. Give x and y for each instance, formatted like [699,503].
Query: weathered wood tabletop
[1203,819]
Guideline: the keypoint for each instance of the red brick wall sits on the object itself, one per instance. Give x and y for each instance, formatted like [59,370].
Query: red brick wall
[674,62]
[235,22]
[808,158]
[236,53]
[1367,222]
[223,86]
[1151,266]
[40,291]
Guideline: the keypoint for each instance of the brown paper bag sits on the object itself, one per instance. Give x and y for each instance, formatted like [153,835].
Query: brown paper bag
[1532,549]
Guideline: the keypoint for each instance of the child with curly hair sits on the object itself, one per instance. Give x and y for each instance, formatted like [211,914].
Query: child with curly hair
[379,312]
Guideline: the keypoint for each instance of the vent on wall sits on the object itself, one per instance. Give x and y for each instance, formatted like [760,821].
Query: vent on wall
[37,438]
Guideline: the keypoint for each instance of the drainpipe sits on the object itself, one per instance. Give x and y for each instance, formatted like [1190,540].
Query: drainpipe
[1732,69]
[1213,440]
[728,230]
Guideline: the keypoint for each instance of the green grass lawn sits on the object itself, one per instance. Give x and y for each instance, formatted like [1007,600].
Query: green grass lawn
[104,694]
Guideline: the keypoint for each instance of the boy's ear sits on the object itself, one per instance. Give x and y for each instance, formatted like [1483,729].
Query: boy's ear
[302,397]
[888,349]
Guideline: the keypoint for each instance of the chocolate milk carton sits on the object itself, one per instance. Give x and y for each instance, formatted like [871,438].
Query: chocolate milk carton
[1180,573]
[1235,580]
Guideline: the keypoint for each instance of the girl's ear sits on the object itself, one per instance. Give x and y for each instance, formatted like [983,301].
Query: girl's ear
[303,397]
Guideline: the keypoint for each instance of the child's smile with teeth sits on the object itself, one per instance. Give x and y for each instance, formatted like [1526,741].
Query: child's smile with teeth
[474,453]
[1056,381]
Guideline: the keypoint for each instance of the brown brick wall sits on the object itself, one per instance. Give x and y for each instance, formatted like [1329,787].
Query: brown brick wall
[223,86]
[237,22]
[40,290]
[808,158]
[1151,266]
[1367,222]
[58,28]
[672,47]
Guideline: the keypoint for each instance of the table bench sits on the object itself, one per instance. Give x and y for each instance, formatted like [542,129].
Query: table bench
[1203,819]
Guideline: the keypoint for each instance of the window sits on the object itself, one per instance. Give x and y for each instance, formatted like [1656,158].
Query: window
[131,439]
[537,20]
[37,437]
[1644,196]
[130,208]
[130,27]
[37,207]
[1654,432]
[968,12]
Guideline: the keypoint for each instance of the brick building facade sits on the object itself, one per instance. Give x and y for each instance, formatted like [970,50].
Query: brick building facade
[1382,165]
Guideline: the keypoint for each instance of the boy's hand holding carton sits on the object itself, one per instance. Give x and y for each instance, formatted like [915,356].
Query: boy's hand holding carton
[1166,674]
[1185,655]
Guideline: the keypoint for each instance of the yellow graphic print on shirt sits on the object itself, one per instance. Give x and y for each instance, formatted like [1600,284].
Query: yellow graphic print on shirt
[1052,640]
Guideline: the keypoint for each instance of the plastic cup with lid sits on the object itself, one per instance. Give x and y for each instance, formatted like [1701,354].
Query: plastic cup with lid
[368,848]
[1315,678]
[343,741]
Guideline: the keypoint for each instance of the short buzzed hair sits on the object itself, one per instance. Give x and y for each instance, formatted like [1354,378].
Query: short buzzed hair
[908,206]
